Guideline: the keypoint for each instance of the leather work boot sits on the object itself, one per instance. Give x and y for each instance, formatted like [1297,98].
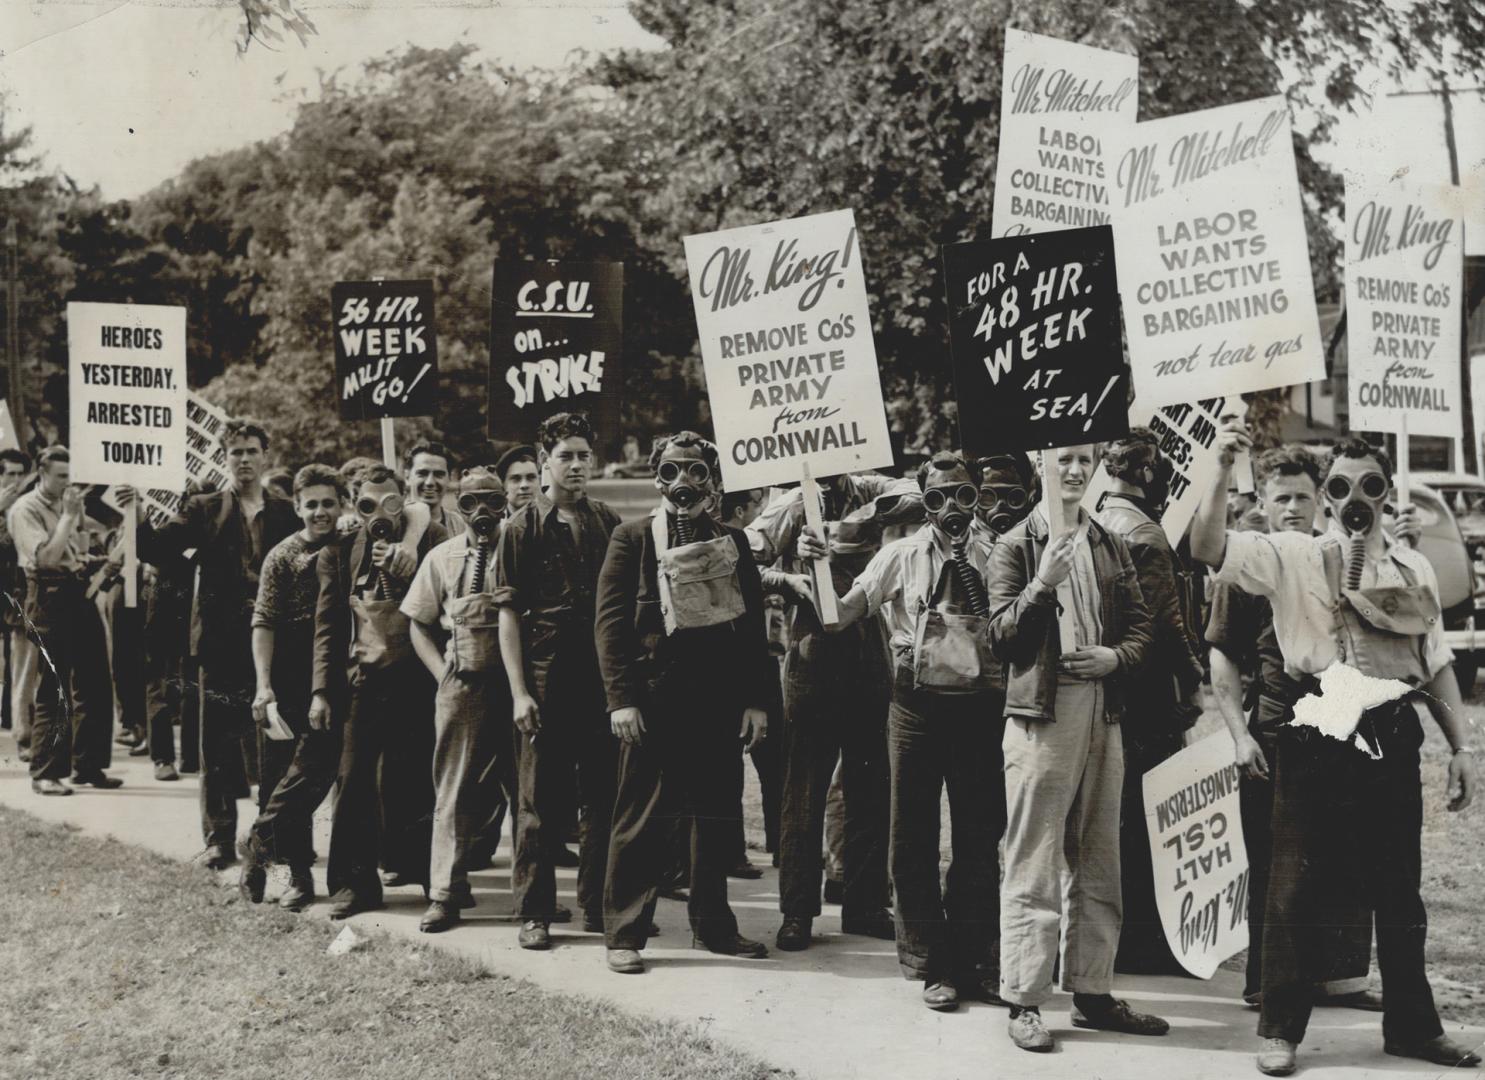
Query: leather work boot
[1276,1057]
[439,917]
[300,893]
[794,934]
[1029,1032]
[626,962]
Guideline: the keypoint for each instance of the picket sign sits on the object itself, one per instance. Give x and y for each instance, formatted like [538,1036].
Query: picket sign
[389,430]
[1056,525]
[824,584]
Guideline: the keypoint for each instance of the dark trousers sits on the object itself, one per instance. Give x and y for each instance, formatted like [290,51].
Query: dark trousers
[681,774]
[1143,948]
[74,701]
[1346,824]
[384,809]
[306,767]
[229,746]
[574,739]
[769,769]
[503,781]
[953,741]
[1348,945]
[130,662]
[835,708]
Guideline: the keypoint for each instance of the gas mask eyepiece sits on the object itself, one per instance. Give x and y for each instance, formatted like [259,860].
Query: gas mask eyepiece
[684,482]
[380,514]
[1356,504]
[483,511]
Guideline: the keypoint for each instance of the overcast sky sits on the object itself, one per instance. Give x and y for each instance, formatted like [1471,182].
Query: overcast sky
[124,94]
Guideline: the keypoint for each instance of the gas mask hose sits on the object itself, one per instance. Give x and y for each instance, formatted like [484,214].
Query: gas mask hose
[973,586]
[1356,561]
[481,560]
[685,529]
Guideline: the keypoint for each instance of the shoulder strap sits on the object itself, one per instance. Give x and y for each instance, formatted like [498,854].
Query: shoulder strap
[661,536]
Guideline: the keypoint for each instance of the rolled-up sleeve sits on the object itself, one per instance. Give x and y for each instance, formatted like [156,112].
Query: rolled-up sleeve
[509,589]
[1436,651]
[881,581]
[1254,561]
[424,600]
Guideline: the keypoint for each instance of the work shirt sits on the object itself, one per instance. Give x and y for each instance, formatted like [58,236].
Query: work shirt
[900,579]
[33,520]
[1289,570]
[445,575]
[550,578]
[1083,580]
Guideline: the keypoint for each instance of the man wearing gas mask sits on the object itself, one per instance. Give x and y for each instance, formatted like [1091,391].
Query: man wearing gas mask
[836,690]
[685,663]
[546,572]
[367,676]
[942,727]
[1064,758]
[1349,809]
[1139,483]
[1256,698]
[455,632]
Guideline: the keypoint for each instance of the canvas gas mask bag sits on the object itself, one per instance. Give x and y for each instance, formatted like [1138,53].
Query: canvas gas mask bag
[951,645]
[698,582]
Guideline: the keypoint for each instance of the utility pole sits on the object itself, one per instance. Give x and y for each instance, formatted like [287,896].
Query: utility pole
[1470,443]
[15,388]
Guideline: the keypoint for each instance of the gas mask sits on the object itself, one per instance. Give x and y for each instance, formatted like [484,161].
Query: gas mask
[683,477]
[482,502]
[1003,498]
[1357,505]
[380,515]
[949,498]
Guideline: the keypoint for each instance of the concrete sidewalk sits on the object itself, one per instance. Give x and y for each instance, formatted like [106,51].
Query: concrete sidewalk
[839,1010]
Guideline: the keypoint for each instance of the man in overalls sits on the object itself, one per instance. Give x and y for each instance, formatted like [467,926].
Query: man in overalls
[836,689]
[367,676]
[684,657]
[1139,481]
[943,728]
[1347,810]
[455,632]
[546,575]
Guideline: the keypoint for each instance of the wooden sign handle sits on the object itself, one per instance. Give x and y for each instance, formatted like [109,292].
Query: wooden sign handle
[824,584]
[1402,480]
[389,443]
[1242,473]
[131,554]
[1056,525]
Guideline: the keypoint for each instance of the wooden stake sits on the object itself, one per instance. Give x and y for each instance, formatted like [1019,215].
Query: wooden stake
[389,443]
[1402,479]
[1056,526]
[131,554]
[1242,473]
[824,583]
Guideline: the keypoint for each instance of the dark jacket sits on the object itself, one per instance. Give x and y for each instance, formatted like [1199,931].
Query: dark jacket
[212,526]
[1023,627]
[1171,671]
[337,565]
[638,660]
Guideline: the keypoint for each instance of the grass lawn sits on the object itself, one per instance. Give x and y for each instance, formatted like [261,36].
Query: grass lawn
[120,963]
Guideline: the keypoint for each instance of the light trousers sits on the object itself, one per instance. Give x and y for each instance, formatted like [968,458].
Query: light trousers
[1063,783]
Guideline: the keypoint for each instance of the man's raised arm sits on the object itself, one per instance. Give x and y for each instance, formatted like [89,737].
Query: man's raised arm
[1209,529]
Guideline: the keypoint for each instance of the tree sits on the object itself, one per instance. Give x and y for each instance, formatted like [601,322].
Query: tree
[764,109]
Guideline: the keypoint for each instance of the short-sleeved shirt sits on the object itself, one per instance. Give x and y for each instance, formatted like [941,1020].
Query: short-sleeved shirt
[32,520]
[1289,570]
[900,579]
[444,575]
[288,584]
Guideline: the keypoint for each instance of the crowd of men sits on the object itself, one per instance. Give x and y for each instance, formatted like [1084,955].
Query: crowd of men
[524,653]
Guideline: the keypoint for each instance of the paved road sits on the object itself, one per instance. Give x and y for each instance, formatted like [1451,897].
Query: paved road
[837,1011]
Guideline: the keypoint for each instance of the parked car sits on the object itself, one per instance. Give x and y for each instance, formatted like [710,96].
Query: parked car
[1458,567]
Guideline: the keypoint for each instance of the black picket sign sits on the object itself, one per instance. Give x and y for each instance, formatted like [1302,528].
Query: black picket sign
[1034,332]
[386,349]
[556,345]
